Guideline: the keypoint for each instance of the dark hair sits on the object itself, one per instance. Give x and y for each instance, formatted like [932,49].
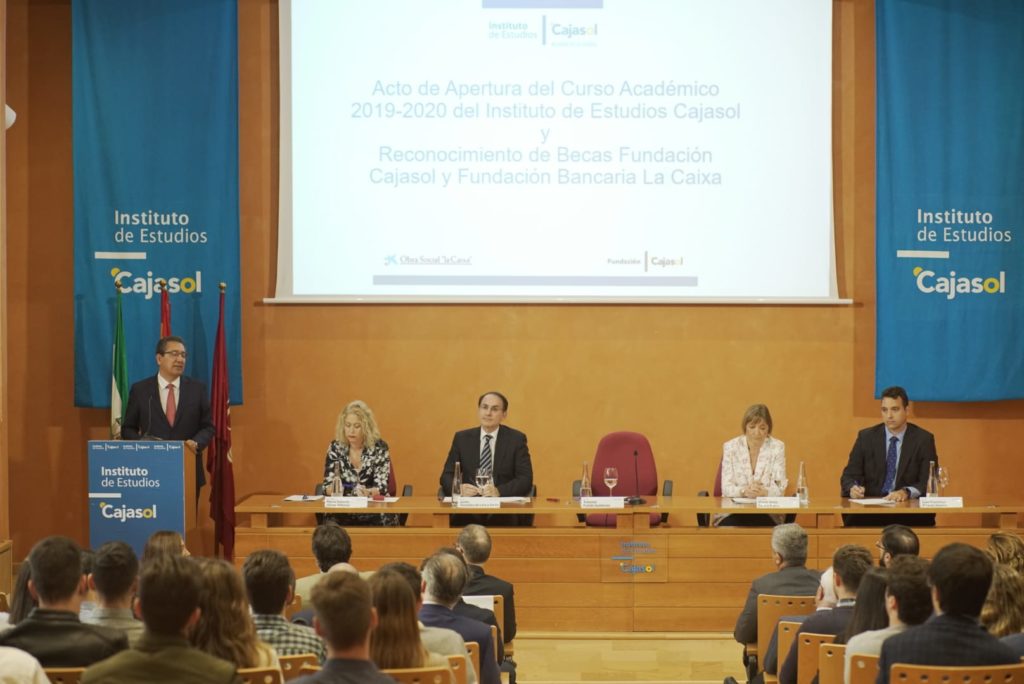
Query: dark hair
[56,568]
[869,611]
[22,601]
[161,346]
[268,578]
[409,572]
[851,562]
[908,584]
[395,643]
[331,545]
[961,575]
[896,392]
[168,593]
[475,543]
[343,604]
[756,414]
[115,568]
[446,575]
[899,540]
[160,543]
[88,559]
[504,400]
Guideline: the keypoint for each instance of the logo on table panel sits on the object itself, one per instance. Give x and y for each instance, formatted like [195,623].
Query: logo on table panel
[627,561]
[149,285]
[124,513]
[955,284]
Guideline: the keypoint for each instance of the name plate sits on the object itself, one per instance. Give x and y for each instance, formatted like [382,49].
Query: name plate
[941,502]
[603,502]
[778,502]
[345,502]
[478,502]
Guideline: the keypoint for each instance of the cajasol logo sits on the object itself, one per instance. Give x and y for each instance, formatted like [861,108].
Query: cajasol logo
[953,284]
[125,513]
[149,284]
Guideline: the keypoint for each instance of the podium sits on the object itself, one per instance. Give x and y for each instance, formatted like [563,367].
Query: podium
[139,487]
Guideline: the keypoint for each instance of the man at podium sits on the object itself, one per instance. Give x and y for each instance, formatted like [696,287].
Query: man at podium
[170,405]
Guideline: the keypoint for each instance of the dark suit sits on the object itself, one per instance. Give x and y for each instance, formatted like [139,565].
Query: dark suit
[795,580]
[822,622]
[867,467]
[944,640]
[145,417]
[481,584]
[434,615]
[511,466]
[57,638]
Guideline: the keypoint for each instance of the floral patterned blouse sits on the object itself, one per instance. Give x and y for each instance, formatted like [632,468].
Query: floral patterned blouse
[770,469]
[374,470]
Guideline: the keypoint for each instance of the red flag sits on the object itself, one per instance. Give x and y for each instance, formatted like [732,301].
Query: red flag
[218,454]
[165,310]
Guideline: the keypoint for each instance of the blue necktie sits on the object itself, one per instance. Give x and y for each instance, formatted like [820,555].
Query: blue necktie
[890,466]
[485,455]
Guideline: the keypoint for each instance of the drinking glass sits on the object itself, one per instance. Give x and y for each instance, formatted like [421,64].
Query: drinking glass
[483,478]
[611,478]
[943,479]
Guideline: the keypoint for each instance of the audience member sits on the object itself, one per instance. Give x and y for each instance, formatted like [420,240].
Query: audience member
[475,543]
[331,545]
[161,542]
[1006,548]
[849,565]
[52,632]
[270,585]
[22,602]
[897,540]
[395,643]
[345,618]
[168,602]
[908,602]
[869,610]
[960,576]
[436,639]
[1003,612]
[18,667]
[484,615]
[224,628]
[114,579]
[444,578]
[88,604]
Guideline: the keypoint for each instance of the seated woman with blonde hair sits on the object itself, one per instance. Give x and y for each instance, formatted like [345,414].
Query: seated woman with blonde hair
[395,643]
[753,465]
[361,458]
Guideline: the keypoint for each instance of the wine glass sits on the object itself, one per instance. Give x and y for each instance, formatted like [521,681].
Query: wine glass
[943,479]
[483,478]
[611,478]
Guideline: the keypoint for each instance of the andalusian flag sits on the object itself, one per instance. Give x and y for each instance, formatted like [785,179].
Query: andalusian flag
[119,375]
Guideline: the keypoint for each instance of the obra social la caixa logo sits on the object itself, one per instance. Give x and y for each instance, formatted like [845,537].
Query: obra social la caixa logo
[124,513]
[149,284]
[952,285]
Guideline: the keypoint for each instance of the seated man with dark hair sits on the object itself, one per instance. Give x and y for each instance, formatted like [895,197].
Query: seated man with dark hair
[52,632]
[897,540]
[168,602]
[331,545]
[270,586]
[114,579]
[475,543]
[960,576]
[344,618]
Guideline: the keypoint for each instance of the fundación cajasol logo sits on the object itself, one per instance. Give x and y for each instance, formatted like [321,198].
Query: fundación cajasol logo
[149,284]
[953,284]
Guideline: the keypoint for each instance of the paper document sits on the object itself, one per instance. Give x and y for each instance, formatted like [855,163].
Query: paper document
[304,497]
[873,502]
[503,499]
[743,500]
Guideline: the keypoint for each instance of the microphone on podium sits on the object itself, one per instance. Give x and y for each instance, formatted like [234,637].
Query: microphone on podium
[636,499]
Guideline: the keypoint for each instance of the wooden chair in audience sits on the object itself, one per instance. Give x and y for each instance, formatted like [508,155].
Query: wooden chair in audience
[496,604]
[292,665]
[308,669]
[807,655]
[771,607]
[787,633]
[494,642]
[64,675]
[5,606]
[458,665]
[421,675]
[863,669]
[830,663]
[292,608]
[260,675]
[933,674]
[473,650]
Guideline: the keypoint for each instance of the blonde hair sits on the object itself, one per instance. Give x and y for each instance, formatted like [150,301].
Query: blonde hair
[360,410]
[224,629]
[1003,612]
[1006,549]
[756,414]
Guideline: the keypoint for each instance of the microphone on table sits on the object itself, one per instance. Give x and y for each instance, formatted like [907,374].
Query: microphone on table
[149,421]
[636,500]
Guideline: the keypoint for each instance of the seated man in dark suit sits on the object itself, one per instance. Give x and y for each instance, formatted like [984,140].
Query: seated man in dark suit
[849,564]
[475,544]
[890,460]
[493,448]
[960,576]
[52,632]
[168,602]
[444,577]
[170,405]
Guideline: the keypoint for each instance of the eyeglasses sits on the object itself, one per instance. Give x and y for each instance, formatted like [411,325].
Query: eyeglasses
[176,354]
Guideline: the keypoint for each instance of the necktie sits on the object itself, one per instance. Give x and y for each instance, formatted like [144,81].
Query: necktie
[171,408]
[485,455]
[890,466]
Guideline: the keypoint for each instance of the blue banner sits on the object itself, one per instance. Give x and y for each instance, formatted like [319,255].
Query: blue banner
[135,489]
[950,195]
[155,88]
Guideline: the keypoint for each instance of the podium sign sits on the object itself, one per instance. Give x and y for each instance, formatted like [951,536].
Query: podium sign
[135,489]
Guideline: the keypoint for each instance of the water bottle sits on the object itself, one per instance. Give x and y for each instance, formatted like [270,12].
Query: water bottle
[585,489]
[933,479]
[337,487]
[457,484]
[801,486]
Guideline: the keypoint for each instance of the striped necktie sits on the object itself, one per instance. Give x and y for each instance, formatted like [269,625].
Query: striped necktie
[485,455]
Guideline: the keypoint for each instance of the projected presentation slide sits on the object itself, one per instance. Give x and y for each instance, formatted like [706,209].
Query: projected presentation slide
[557,149]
